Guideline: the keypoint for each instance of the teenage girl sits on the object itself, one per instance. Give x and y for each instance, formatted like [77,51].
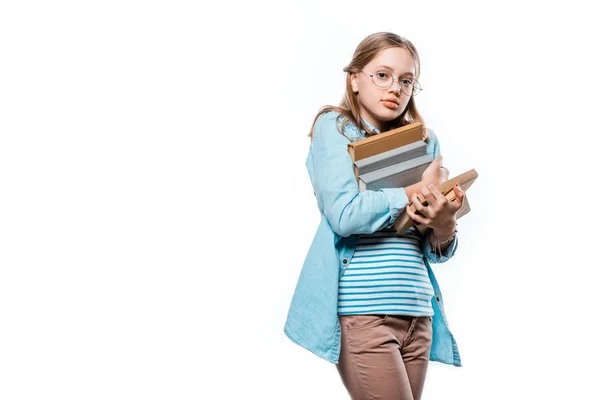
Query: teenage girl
[367,299]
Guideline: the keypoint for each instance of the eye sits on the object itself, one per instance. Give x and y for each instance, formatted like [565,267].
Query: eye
[382,75]
[406,82]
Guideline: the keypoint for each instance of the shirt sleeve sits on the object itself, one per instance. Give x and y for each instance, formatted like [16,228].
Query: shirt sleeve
[348,210]
[433,256]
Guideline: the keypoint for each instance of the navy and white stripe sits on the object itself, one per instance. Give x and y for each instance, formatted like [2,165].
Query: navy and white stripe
[386,275]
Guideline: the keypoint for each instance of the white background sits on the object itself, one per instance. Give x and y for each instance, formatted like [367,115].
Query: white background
[155,209]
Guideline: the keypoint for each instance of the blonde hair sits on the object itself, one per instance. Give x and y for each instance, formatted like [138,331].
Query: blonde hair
[349,107]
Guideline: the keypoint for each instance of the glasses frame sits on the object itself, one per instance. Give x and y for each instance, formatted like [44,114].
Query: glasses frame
[414,93]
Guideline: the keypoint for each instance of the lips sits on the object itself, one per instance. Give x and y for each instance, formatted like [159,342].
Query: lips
[392,100]
[391,103]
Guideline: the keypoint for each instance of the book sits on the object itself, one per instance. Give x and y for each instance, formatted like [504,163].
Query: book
[390,157]
[386,141]
[466,179]
[397,175]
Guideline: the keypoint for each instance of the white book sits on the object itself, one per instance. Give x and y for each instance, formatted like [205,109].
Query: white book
[391,157]
[394,176]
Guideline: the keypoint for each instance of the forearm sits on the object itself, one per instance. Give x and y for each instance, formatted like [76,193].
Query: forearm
[346,214]
[415,188]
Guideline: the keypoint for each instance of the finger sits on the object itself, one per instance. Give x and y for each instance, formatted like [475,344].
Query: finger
[432,194]
[444,174]
[439,160]
[418,219]
[460,195]
[436,163]
[420,207]
[459,192]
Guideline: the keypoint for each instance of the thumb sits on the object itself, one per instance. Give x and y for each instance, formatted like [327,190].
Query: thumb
[439,159]
[460,193]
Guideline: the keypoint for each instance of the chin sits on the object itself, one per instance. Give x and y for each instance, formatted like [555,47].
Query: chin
[388,115]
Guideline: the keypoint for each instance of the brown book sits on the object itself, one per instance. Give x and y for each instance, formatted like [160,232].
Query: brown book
[446,188]
[386,141]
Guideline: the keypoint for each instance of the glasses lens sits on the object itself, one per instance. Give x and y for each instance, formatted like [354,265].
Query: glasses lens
[382,79]
[407,86]
[416,87]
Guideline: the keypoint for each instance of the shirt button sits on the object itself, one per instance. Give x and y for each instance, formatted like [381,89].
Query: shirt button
[345,261]
[437,298]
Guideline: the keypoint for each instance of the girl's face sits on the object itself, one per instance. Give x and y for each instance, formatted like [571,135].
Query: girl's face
[380,105]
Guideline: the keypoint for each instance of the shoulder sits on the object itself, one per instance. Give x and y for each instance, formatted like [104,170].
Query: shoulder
[330,124]
[329,121]
[433,144]
[431,136]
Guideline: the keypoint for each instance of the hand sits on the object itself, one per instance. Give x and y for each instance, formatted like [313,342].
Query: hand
[435,173]
[439,214]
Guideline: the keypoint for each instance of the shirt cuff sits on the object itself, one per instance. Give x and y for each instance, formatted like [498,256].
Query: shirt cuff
[434,256]
[397,200]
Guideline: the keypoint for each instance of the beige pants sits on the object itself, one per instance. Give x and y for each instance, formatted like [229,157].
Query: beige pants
[384,356]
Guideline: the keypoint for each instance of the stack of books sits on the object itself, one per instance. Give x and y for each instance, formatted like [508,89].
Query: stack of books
[398,158]
[395,158]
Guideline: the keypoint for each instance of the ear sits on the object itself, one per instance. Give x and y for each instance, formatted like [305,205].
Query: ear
[354,82]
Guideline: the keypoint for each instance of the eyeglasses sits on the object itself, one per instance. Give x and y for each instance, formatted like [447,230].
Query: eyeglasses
[384,80]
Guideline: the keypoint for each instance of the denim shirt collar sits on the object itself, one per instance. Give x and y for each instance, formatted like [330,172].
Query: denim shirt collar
[371,127]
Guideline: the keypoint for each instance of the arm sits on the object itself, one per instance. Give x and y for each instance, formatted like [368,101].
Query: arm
[348,210]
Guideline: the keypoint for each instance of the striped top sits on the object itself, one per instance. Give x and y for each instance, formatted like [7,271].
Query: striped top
[386,275]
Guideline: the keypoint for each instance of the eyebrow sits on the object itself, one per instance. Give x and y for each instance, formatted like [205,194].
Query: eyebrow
[391,69]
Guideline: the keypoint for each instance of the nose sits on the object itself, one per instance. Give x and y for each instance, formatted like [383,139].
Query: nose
[393,86]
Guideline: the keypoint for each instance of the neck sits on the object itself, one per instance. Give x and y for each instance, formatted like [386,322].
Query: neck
[371,121]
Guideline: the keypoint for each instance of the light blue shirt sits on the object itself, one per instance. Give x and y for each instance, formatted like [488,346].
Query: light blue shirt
[346,213]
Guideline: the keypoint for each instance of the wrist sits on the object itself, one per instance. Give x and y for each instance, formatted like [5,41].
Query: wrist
[415,188]
[424,182]
[444,232]
[441,241]
[442,238]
